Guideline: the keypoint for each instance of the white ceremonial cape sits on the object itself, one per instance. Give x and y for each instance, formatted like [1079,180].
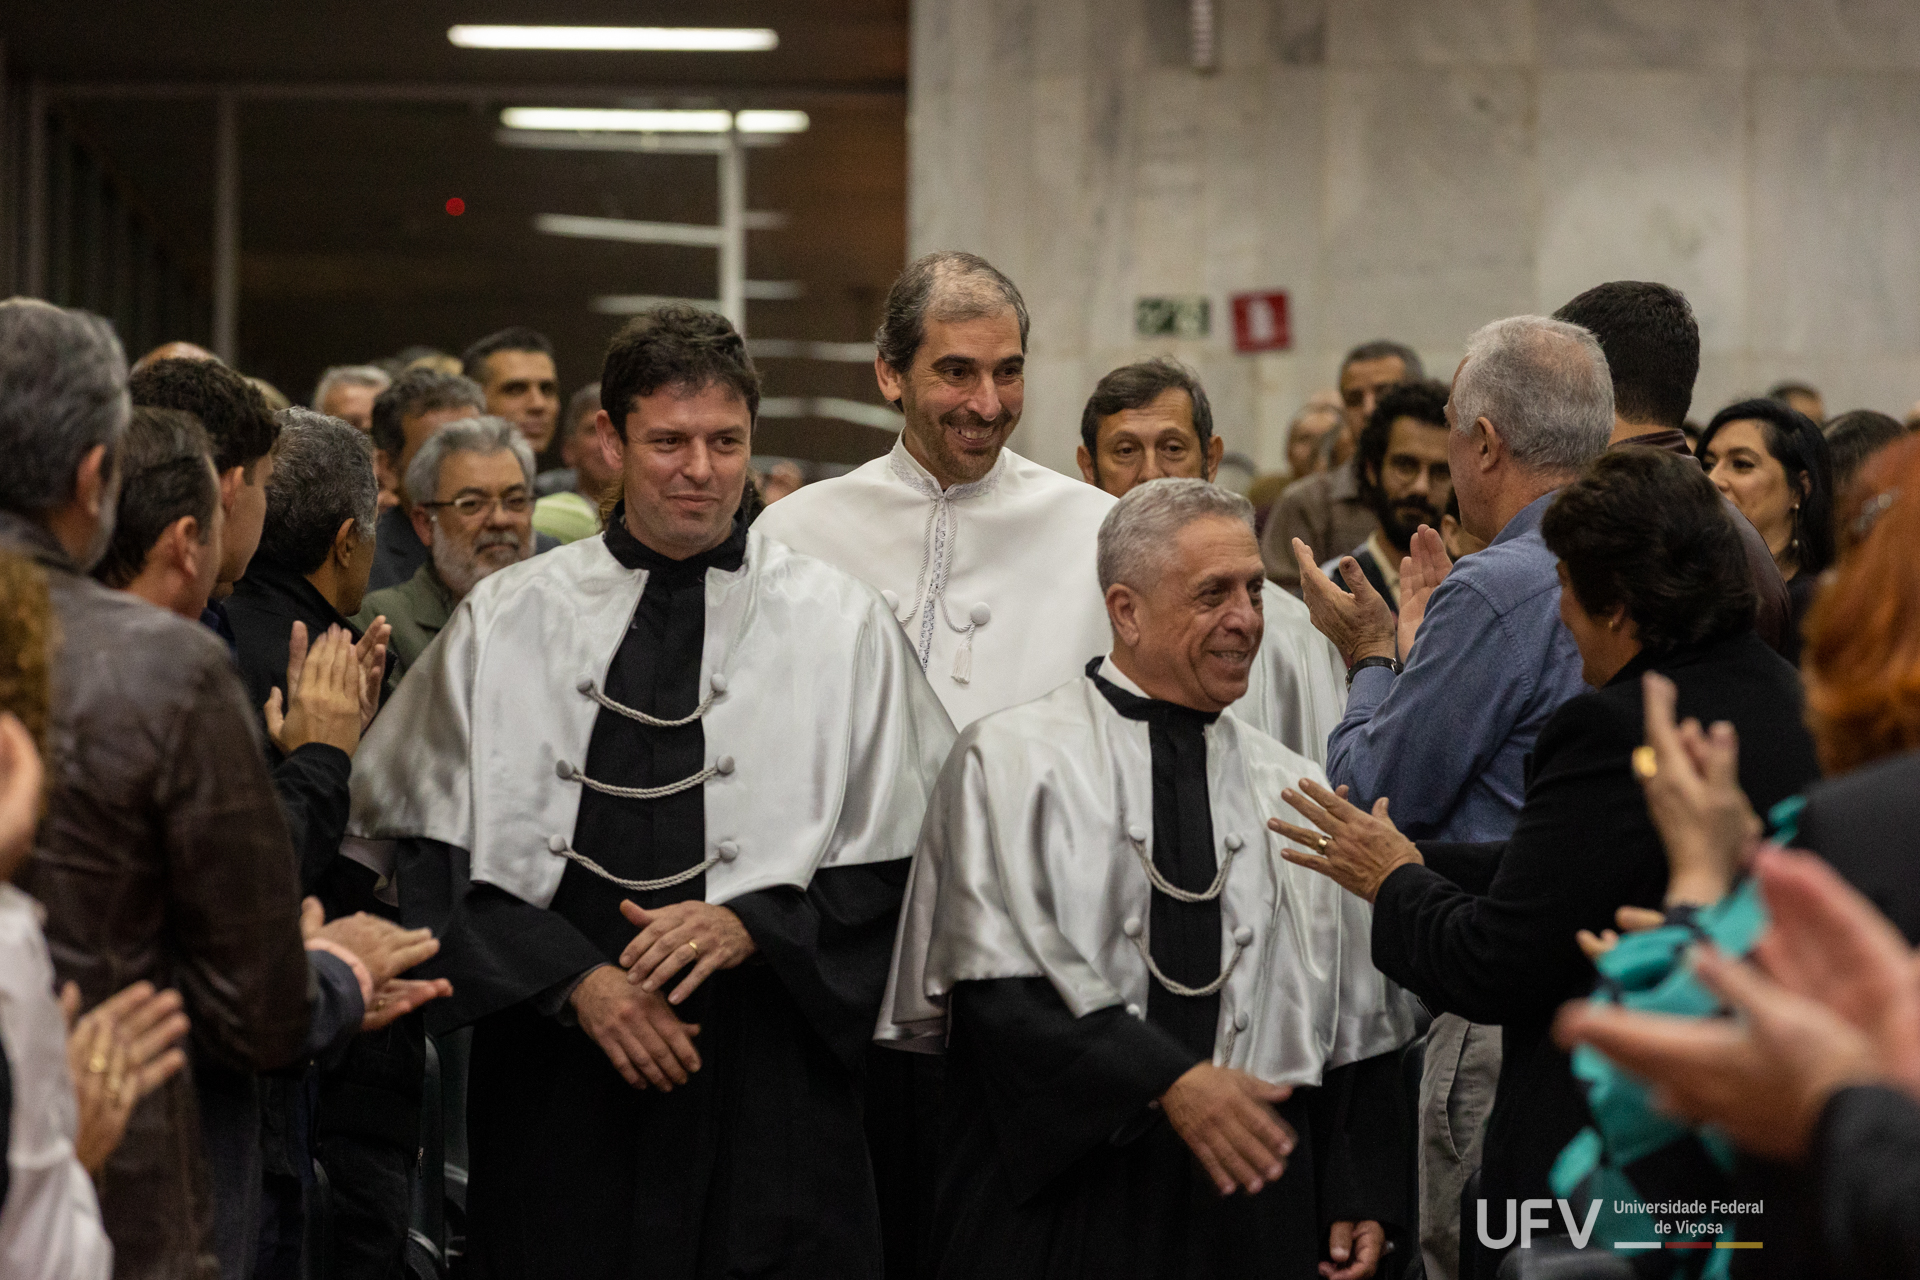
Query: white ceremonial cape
[823,732]
[1027,867]
[994,581]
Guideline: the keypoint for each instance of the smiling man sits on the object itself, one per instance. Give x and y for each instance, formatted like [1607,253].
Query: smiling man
[662,784]
[1145,1011]
[985,558]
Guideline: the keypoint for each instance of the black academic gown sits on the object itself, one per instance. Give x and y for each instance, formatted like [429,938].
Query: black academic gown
[758,1165]
[1059,1163]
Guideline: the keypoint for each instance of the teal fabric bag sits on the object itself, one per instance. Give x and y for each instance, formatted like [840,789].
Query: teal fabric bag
[1631,1154]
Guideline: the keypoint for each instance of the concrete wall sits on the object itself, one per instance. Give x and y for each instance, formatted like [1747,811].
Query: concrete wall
[1414,168]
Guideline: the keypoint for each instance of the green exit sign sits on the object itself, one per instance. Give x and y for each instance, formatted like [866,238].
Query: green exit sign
[1189,317]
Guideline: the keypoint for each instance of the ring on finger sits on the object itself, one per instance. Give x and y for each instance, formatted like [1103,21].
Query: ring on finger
[693,947]
[1321,843]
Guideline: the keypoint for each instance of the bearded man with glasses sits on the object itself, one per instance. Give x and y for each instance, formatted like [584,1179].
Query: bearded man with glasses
[475,516]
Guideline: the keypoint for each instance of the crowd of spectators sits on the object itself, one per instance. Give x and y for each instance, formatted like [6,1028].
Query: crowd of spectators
[1542,580]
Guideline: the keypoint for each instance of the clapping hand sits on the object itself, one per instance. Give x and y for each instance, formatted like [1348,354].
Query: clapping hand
[1424,568]
[121,1051]
[324,694]
[371,651]
[1358,622]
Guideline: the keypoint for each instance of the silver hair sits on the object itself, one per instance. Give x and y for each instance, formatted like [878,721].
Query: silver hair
[349,375]
[481,434]
[1545,384]
[1139,532]
[322,476]
[63,392]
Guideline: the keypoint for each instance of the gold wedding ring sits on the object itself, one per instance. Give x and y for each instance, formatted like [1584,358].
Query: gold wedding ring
[1324,842]
[691,946]
[97,1064]
[1645,763]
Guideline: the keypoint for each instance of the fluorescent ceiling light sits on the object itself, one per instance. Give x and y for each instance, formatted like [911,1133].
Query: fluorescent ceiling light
[656,39]
[771,121]
[621,120]
[606,120]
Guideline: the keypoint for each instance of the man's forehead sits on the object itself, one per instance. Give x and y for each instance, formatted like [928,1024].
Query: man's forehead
[1216,545]
[712,407]
[988,338]
[469,468]
[1412,433]
[1366,373]
[1172,408]
[504,366]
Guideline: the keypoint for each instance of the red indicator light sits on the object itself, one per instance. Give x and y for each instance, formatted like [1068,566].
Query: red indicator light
[456,206]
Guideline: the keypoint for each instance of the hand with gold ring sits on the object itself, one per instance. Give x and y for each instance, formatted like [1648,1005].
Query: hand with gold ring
[1691,779]
[119,1052]
[697,934]
[1357,850]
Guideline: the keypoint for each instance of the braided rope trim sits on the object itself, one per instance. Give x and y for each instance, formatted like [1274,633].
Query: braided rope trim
[646,793]
[1173,890]
[592,690]
[638,886]
[1181,988]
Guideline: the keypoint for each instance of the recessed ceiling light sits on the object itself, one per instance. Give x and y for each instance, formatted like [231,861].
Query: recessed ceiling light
[620,120]
[656,39]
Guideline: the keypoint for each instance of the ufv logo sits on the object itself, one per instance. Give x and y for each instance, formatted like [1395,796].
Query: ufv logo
[1526,1224]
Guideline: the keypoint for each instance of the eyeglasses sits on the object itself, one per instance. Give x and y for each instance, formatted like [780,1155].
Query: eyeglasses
[1407,469]
[470,505]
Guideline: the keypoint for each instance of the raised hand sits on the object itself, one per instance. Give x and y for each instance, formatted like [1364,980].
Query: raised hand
[1358,622]
[638,1031]
[323,702]
[1226,1118]
[1692,783]
[1355,849]
[371,653]
[709,938]
[1420,572]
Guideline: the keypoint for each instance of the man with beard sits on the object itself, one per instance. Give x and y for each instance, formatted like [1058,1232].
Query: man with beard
[1151,421]
[985,558]
[1401,466]
[474,513]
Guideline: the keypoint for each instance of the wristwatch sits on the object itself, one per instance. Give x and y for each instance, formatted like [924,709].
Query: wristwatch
[1392,664]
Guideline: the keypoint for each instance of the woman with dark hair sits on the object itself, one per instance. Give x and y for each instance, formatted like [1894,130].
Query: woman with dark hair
[1653,579]
[1772,462]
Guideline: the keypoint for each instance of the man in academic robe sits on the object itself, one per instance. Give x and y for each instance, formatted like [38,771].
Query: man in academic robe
[661,785]
[1150,421]
[1167,1052]
[984,557]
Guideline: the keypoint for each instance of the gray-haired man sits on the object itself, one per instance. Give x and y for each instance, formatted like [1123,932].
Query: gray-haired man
[473,511]
[1144,1009]
[1486,663]
[347,391]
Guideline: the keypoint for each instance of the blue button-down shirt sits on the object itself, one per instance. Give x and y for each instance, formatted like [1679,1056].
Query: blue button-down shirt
[1447,740]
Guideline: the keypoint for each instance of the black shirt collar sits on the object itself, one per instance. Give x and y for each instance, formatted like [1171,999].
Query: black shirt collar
[1135,707]
[635,554]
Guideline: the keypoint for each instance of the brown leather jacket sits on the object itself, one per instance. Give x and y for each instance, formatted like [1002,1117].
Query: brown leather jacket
[163,856]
